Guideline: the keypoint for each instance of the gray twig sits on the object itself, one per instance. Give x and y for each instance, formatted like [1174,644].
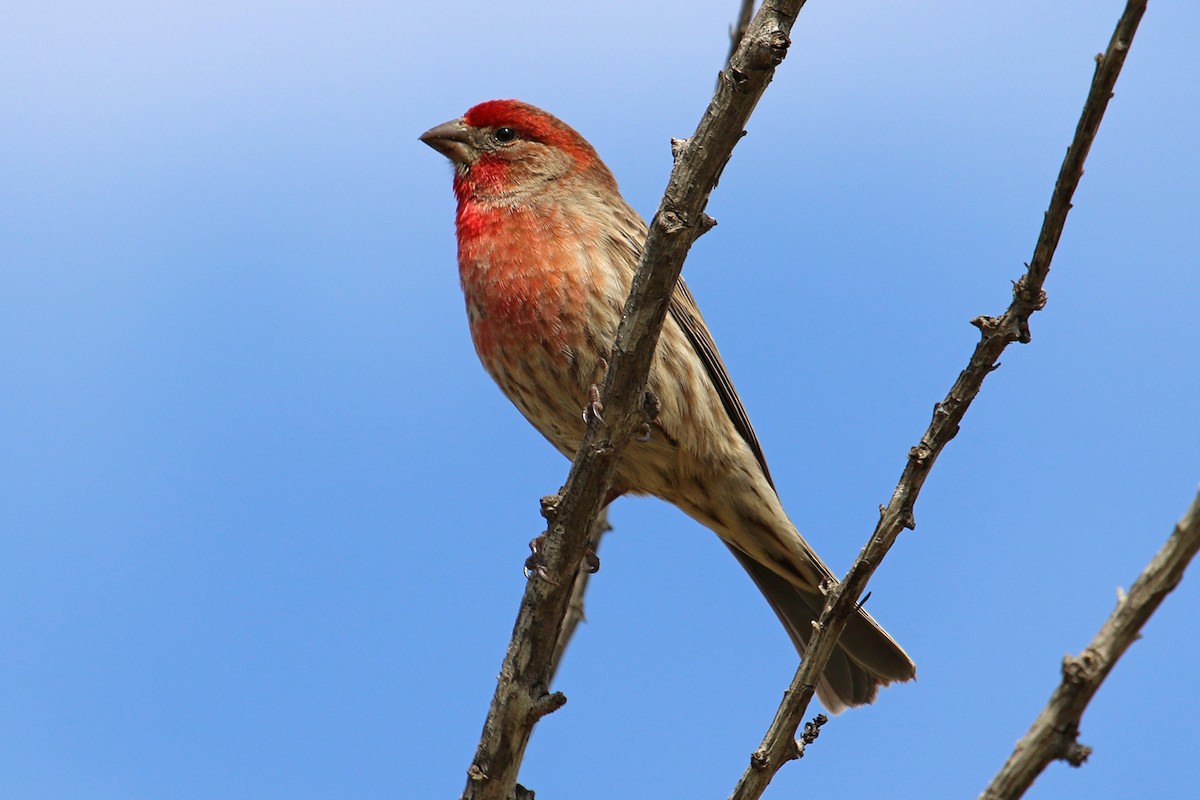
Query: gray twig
[745,14]
[779,745]
[523,687]
[1055,731]
[575,609]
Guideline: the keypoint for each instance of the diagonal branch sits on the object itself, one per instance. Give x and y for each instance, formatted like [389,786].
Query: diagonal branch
[779,745]
[575,608]
[745,14]
[1054,732]
[522,694]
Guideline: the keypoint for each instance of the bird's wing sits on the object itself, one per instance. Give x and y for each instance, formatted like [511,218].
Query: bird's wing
[684,311]
[686,314]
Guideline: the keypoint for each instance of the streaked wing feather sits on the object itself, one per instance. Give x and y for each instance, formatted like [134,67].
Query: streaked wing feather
[686,313]
[684,310]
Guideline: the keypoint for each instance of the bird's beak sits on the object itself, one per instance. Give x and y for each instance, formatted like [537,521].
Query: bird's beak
[451,139]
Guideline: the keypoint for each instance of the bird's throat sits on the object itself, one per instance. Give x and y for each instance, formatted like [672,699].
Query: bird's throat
[521,283]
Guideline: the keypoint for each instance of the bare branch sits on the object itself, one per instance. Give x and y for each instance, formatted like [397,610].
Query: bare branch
[1054,733]
[779,745]
[738,31]
[523,685]
[575,609]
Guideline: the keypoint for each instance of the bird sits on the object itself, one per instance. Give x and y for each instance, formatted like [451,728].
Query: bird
[547,250]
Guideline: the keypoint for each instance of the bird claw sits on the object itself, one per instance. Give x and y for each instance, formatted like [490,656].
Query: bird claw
[591,562]
[534,564]
[644,433]
[594,408]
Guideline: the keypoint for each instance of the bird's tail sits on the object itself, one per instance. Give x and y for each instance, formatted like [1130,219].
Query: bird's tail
[866,656]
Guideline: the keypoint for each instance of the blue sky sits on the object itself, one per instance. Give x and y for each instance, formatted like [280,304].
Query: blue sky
[264,515]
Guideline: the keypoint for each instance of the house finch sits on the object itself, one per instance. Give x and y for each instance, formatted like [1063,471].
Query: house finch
[547,249]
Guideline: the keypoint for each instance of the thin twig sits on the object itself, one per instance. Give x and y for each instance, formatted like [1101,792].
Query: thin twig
[1055,731]
[745,14]
[575,608]
[522,694]
[779,744]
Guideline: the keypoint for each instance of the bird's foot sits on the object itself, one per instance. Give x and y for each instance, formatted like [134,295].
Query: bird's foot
[535,565]
[594,408]
[591,562]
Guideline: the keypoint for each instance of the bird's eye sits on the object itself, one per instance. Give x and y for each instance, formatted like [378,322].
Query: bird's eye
[504,135]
